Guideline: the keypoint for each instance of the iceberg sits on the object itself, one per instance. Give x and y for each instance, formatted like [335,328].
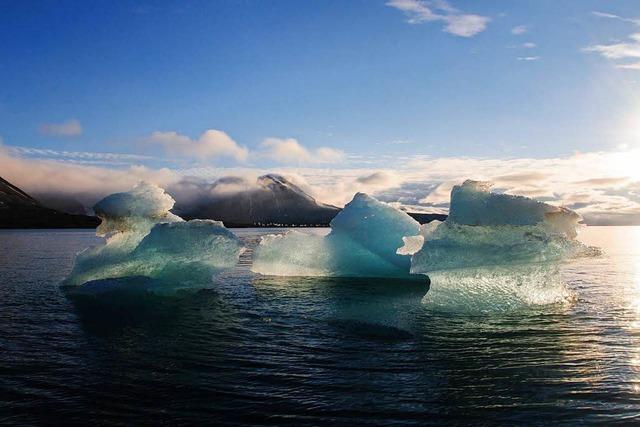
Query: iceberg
[495,250]
[143,238]
[363,241]
[472,203]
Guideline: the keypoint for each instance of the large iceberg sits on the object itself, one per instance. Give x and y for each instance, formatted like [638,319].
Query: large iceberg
[143,238]
[363,242]
[495,250]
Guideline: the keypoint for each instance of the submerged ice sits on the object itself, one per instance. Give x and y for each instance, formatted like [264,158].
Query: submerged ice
[143,238]
[363,242]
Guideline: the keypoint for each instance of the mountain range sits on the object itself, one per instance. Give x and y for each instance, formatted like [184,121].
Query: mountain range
[270,200]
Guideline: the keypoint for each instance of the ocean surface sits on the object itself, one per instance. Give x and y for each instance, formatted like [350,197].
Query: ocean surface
[307,351]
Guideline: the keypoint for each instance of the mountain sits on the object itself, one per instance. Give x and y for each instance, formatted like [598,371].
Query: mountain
[271,200]
[60,202]
[20,210]
[424,218]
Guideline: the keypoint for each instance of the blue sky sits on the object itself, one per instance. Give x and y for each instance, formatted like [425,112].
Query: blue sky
[353,75]
[375,80]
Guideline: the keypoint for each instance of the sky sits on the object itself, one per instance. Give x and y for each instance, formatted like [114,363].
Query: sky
[399,98]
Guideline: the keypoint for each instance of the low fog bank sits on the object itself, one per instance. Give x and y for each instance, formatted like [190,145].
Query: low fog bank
[421,186]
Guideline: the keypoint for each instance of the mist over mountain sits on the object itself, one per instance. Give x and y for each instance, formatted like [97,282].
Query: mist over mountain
[62,203]
[19,210]
[268,200]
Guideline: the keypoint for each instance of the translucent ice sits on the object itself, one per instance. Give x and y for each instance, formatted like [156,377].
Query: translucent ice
[363,242]
[472,203]
[496,246]
[144,239]
[134,211]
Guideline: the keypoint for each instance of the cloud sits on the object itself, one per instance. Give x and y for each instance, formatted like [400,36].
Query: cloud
[440,195]
[529,45]
[466,25]
[456,23]
[380,178]
[80,157]
[614,16]
[602,186]
[519,30]
[618,50]
[625,51]
[528,58]
[211,144]
[605,15]
[604,182]
[85,183]
[522,178]
[67,129]
[631,66]
[289,150]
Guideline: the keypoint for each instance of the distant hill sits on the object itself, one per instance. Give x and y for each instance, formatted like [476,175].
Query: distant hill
[20,210]
[272,200]
[424,218]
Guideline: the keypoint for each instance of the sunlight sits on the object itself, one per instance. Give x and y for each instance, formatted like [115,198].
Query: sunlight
[626,163]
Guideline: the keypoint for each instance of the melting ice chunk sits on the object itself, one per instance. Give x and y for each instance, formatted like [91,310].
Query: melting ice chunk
[363,241]
[472,203]
[495,244]
[144,239]
[137,210]
[488,229]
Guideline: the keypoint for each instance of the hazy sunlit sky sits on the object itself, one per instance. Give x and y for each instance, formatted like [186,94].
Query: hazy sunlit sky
[344,95]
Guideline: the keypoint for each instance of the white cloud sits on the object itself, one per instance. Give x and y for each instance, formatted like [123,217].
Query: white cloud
[529,45]
[466,25]
[85,183]
[528,58]
[81,157]
[631,66]
[440,195]
[69,128]
[626,50]
[289,150]
[618,50]
[456,23]
[212,143]
[519,30]
[602,186]
[613,16]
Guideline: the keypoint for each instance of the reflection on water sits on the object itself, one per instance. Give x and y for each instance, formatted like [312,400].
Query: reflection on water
[253,350]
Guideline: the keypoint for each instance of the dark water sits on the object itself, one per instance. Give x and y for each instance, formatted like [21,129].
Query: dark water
[253,350]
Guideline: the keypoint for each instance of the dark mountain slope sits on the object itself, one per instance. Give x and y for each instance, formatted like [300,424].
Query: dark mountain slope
[271,200]
[19,210]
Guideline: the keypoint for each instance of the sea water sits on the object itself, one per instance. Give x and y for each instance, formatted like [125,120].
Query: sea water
[251,349]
